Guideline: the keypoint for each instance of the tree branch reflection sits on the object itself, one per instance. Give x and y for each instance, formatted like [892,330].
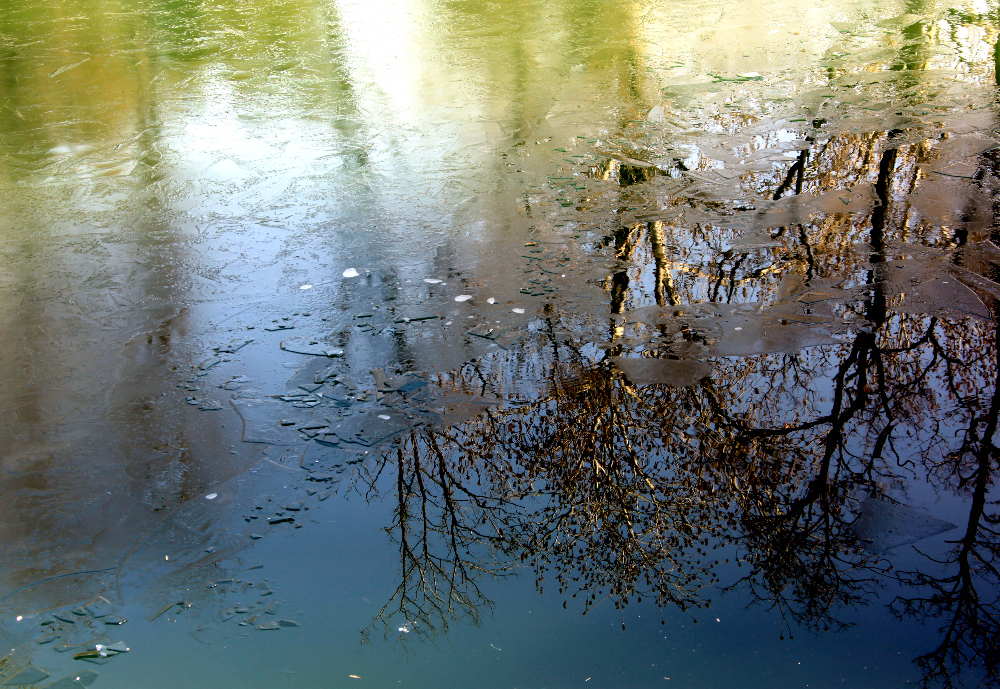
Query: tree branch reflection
[626,482]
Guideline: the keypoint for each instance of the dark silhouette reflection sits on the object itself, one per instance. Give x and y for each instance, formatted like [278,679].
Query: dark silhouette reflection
[608,489]
[658,463]
[962,594]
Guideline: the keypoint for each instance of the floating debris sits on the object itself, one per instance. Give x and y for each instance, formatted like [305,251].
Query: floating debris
[169,606]
[101,651]
[415,319]
[211,496]
[351,273]
[749,76]
[66,68]
[321,478]
[304,345]
[232,347]
[463,297]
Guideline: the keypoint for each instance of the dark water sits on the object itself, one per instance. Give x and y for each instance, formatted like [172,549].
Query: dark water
[499,344]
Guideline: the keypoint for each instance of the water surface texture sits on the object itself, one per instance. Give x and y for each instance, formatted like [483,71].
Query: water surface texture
[521,344]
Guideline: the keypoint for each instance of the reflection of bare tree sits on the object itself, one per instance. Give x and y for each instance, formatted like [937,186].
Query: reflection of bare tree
[614,487]
[440,522]
[806,559]
[961,591]
[964,593]
[621,491]
[608,519]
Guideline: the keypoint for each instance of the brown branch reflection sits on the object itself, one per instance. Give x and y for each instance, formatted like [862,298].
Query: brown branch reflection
[653,465]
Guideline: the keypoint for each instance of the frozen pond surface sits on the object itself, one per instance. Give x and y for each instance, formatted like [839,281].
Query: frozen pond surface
[517,344]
